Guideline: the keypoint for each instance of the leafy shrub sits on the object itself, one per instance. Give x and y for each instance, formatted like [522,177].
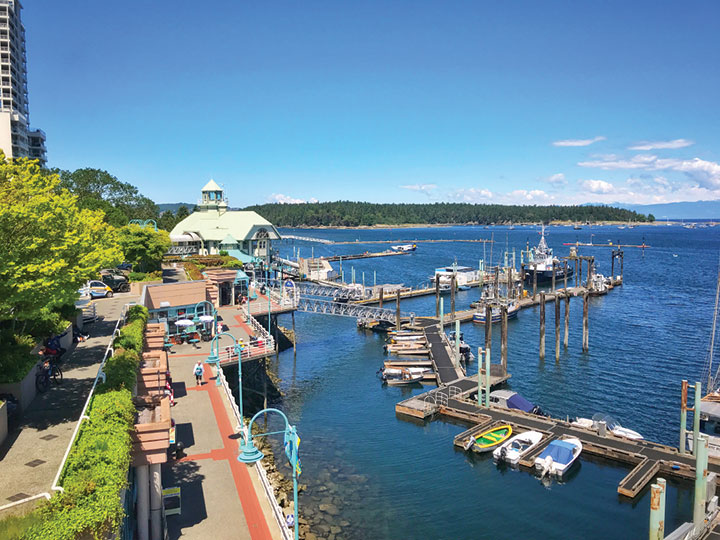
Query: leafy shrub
[192,271]
[137,312]
[17,360]
[131,336]
[144,276]
[223,253]
[121,370]
[94,475]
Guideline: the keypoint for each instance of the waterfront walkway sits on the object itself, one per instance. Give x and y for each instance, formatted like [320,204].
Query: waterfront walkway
[221,497]
[33,451]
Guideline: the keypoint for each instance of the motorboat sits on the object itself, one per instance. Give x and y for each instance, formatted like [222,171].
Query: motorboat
[507,399]
[463,287]
[404,247]
[513,308]
[401,376]
[613,426]
[519,445]
[488,439]
[540,263]
[558,457]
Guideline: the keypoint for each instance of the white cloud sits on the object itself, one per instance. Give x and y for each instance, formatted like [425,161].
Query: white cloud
[612,162]
[705,173]
[597,186]
[578,142]
[287,199]
[422,188]
[518,196]
[471,195]
[661,145]
[556,179]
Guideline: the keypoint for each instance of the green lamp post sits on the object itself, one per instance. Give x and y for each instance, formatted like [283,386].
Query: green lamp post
[214,358]
[249,453]
[213,311]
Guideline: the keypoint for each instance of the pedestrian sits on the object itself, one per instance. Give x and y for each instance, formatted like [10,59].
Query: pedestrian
[198,371]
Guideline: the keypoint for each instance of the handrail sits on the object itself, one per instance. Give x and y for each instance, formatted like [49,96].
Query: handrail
[269,492]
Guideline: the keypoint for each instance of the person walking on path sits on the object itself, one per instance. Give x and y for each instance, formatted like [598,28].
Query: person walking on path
[198,371]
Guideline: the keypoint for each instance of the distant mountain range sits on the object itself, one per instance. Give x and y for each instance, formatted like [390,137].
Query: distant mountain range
[173,207]
[677,210]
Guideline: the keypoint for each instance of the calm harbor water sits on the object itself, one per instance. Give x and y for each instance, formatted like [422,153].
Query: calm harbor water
[376,476]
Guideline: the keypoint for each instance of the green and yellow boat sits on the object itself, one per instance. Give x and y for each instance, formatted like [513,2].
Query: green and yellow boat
[489,439]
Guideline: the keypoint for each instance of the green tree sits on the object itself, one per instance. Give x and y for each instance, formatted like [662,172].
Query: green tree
[51,245]
[99,190]
[144,247]
[181,214]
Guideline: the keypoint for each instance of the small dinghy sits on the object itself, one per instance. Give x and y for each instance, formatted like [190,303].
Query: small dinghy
[558,457]
[401,376]
[489,439]
[514,449]
[613,426]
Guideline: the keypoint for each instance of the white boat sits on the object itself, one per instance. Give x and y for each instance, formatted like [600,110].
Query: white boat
[462,274]
[613,426]
[512,450]
[513,308]
[402,376]
[404,247]
[558,457]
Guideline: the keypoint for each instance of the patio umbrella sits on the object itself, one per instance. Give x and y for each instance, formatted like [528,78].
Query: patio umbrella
[183,322]
[207,318]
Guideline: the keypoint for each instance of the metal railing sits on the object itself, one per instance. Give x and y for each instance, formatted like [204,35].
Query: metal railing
[267,487]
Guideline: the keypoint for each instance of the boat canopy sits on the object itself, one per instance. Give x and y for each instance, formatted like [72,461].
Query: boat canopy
[711,409]
[518,402]
[560,451]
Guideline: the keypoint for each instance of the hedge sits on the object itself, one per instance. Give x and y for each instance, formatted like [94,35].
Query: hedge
[96,471]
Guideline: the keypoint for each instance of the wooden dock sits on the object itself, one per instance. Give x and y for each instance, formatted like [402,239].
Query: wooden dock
[646,458]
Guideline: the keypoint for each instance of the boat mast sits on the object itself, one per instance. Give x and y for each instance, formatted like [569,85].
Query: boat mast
[711,380]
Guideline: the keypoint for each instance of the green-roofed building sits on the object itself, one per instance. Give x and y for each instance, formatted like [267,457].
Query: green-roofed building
[212,228]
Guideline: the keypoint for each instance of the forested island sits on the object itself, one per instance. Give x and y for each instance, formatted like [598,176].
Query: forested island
[362,214]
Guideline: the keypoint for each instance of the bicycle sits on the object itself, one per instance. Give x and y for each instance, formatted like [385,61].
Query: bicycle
[46,371]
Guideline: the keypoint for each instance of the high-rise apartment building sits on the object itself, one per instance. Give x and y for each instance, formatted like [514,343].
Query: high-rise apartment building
[16,137]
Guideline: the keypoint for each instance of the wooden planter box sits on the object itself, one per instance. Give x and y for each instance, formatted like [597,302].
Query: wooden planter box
[152,374]
[151,437]
[24,391]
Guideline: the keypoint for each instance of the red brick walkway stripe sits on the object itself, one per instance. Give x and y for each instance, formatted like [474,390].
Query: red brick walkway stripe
[254,516]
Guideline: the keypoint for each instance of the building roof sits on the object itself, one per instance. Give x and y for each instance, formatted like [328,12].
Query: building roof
[215,225]
[212,186]
[185,293]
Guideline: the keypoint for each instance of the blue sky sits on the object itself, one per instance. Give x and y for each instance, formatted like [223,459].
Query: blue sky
[510,102]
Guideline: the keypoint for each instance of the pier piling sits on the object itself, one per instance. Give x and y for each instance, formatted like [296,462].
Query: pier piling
[510,286]
[503,338]
[586,329]
[453,284]
[565,268]
[382,294]
[683,417]
[397,310]
[534,280]
[553,277]
[567,320]
[542,326]
[487,376]
[497,281]
[701,465]
[557,328]
[522,278]
[657,510]
[696,417]
[488,327]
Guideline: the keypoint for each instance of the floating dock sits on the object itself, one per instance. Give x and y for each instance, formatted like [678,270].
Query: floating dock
[646,458]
